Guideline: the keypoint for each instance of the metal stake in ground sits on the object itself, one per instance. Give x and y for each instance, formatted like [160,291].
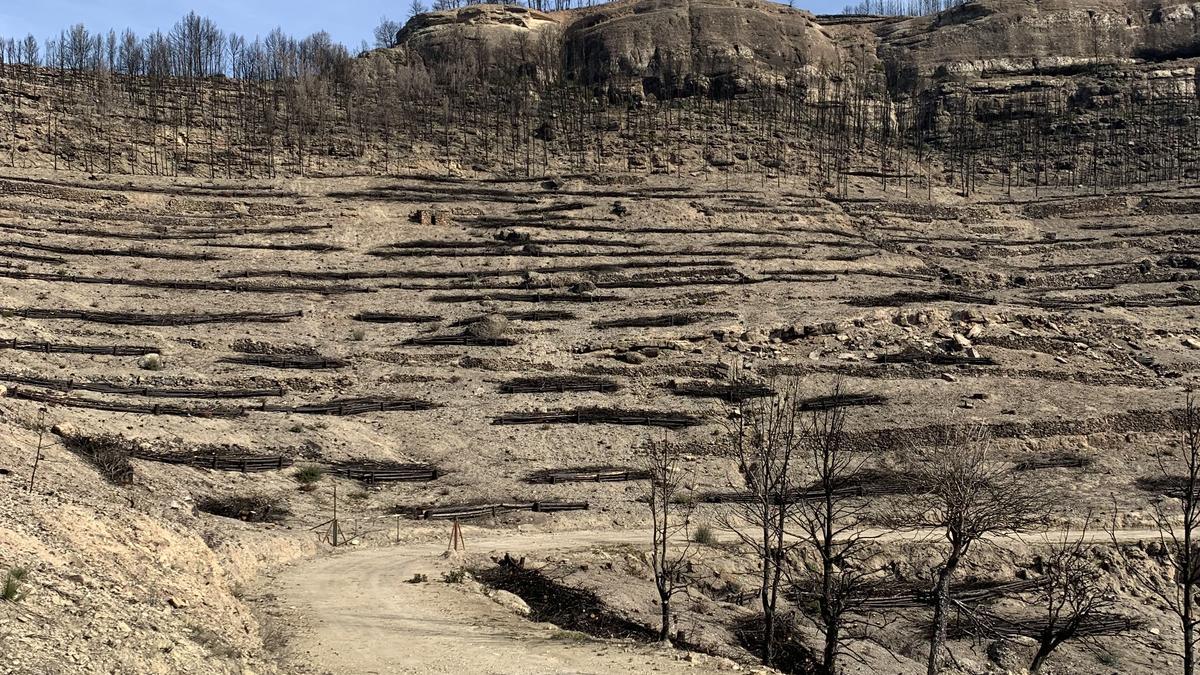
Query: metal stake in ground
[37,457]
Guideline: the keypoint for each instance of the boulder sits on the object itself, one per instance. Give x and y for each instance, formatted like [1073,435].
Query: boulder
[511,602]
[826,328]
[1012,654]
[490,327]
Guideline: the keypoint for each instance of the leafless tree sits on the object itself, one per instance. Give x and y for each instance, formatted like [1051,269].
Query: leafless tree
[1072,597]
[968,498]
[670,516]
[833,550]
[386,32]
[1179,532]
[764,437]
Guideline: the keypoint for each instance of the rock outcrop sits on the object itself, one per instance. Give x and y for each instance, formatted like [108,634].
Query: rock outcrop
[1021,36]
[696,46]
[722,47]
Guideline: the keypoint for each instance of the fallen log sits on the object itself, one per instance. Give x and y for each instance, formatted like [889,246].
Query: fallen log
[463,340]
[588,475]
[387,317]
[535,315]
[658,320]
[537,385]
[216,462]
[61,348]
[523,297]
[485,510]
[304,246]
[120,253]
[372,473]
[734,392]
[185,284]
[288,361]
[115,406]
[142,319]
[901,298]
[68,386]
[935,359]
[602,416]
[353,406]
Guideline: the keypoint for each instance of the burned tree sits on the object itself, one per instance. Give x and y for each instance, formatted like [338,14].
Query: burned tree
[966,497]
[670,517]
[1074,602]
[833,578]
[1179,533]
[764,437]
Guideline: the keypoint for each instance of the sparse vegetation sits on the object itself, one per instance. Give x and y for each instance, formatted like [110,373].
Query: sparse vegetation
[256,508]
[705,534]
[110,455]
[308,476]
[615,251]
[14,581]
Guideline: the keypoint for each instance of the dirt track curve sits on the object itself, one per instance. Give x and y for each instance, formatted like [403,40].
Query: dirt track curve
[361,617]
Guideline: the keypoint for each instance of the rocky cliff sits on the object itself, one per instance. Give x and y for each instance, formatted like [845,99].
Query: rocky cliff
[723,46]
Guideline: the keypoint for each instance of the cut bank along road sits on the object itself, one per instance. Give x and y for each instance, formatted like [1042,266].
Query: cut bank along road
[361,616]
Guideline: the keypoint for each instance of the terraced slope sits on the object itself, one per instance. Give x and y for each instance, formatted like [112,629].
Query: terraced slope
[500,351]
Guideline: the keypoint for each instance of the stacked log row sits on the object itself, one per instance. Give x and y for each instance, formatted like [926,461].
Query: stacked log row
[492,510]
[62,348]
[650,418]
[216,462]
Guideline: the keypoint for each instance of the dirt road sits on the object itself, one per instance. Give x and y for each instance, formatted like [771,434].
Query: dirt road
[361,616]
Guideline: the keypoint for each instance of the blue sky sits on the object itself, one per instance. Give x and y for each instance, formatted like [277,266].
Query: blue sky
[349,21]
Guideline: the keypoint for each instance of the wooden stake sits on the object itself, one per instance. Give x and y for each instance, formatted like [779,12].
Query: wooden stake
[37,457]
[456,538]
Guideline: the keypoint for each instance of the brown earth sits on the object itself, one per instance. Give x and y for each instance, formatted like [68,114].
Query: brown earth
[1089,331]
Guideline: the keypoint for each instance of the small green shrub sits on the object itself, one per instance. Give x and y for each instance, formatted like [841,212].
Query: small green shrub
[1108,659]
[418,579]
[358,334]
[13,580]
[705,534]
[307,475]
[455,576]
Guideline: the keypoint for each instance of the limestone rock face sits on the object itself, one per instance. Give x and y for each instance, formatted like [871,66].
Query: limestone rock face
[1042,35]
[477,34]
[723,47]
[702,46]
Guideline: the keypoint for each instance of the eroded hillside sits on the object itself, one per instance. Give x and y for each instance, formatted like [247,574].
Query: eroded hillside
[255,324]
